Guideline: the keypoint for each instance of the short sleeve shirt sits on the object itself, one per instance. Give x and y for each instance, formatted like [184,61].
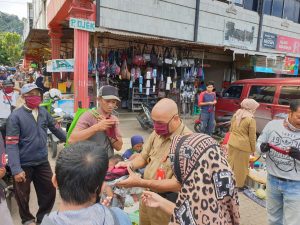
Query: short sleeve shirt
[87,120]
[4,103]
[156,150]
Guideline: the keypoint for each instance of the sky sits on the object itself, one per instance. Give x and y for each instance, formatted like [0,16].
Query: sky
[16,7]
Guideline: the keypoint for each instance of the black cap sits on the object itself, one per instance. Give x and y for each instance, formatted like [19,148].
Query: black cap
[109,92]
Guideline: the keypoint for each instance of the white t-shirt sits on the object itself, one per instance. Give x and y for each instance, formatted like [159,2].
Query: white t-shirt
[4,104]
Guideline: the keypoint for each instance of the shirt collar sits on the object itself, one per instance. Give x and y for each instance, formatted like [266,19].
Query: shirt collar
[178,131]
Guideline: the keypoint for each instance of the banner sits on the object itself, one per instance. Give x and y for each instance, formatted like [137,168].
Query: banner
[239,35]
[288,44]
[290,66]
[60,65]
[269,40]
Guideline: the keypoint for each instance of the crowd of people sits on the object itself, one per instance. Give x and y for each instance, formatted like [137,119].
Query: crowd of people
[187,177]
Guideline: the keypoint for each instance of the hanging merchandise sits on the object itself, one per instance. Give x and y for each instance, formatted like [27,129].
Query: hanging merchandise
[148,91]
[138,58]
[168,57]
[146,55]
[153,57]
[125,74]
[148,84]
[154,73]
[160,57]
[130,84]
[140,79]
[174,57]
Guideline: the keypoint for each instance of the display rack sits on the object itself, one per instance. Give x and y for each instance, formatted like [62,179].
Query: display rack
[141,98]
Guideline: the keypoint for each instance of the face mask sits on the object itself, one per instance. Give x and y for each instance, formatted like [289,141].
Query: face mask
[8,90]
[33,101]
[161,129]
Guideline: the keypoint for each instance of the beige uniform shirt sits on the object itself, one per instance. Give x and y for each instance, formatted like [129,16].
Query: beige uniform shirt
[156,150]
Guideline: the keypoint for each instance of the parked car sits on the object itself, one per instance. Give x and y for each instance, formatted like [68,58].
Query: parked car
[273,94]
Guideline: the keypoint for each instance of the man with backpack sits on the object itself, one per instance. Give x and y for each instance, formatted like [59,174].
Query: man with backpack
[100,125]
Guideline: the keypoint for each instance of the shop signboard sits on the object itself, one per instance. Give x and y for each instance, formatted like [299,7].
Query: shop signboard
[82,24]
[288,44]
[269,40]
[60,65]
[290,66]
[239,35]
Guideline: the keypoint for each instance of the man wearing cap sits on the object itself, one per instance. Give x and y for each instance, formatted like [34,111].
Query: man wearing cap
[8,98]
[26,146]
[103,128]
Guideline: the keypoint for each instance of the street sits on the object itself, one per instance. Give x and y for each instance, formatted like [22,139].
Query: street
[251,213]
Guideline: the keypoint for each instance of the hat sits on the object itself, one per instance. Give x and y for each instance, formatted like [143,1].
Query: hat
[29,87]
[137,139]
[109,92]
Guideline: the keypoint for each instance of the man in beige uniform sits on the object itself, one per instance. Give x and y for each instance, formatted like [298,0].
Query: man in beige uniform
[154,156]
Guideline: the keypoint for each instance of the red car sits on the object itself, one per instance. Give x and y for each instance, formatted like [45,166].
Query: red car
[273,94]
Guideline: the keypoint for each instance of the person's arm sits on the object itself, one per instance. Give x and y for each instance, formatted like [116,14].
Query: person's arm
[137,163]
[153,200]
[201,103]
[83,131]
[58,132]
[252,134]
[117,142]
[165,185]
[12,144]
[263,138]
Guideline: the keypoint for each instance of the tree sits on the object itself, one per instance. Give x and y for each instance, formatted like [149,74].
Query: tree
[10,48]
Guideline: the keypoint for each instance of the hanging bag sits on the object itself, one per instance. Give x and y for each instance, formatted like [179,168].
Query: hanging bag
[153,57]
[138,59]
[146,54]
[168,57]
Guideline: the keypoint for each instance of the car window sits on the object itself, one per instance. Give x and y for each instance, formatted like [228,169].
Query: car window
[288,93]
[262,94]
[234,91]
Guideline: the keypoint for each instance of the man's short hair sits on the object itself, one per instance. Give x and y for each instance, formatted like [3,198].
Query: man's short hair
[80,170]
[210,83]
[294,105]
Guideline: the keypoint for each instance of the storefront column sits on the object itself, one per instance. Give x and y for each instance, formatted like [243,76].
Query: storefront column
[81,9]
[55,40]
[81,50]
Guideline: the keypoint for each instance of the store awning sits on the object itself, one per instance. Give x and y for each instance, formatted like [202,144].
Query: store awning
[151,40]
[244,52]
[37,44]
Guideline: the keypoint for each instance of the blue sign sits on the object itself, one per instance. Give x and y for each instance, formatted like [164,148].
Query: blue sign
[261,69]
[82,24]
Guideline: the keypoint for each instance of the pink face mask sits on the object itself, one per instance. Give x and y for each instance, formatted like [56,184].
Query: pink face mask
[161,129]
[33,101]
[8,90]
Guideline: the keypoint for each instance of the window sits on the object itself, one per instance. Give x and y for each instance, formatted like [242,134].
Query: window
[263,94]
[251,5]
[288,93]
[267,7]
[277,8]
[233,92]
[291,10]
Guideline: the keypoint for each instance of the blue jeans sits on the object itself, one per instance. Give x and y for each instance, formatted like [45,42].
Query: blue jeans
[207,122]
[283,201]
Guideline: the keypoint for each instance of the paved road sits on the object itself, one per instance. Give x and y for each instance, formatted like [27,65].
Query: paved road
[251,213]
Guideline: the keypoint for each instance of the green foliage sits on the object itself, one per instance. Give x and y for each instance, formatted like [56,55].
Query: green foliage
[10,48]
[11,23]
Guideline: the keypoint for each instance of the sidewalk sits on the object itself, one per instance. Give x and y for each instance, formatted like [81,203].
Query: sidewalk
[251,213]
